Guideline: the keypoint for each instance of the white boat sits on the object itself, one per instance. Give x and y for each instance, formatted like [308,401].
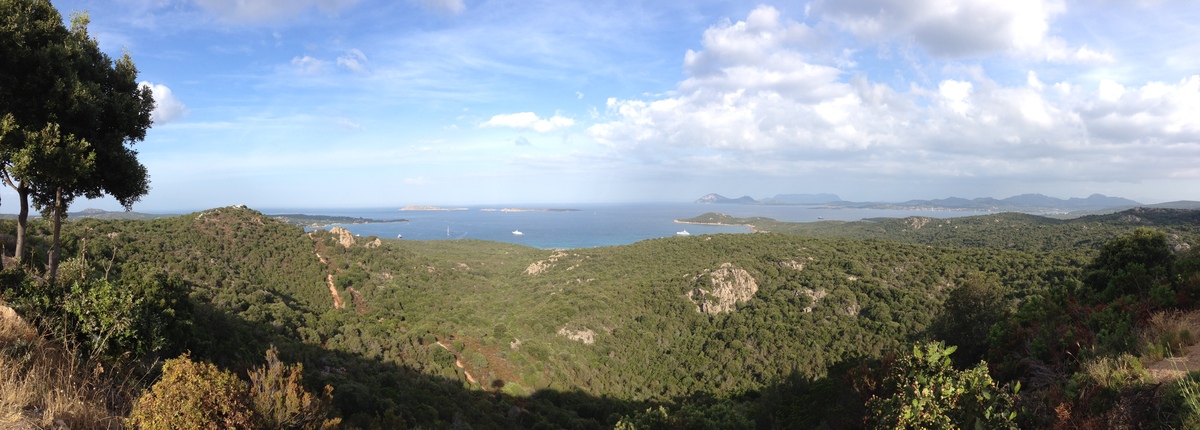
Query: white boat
[399,236]
[683,233]
[517,232]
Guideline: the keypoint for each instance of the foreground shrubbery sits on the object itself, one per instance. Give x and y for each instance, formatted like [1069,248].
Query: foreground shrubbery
[198,395]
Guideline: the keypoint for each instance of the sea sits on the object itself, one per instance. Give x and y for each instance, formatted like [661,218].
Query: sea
[588,226]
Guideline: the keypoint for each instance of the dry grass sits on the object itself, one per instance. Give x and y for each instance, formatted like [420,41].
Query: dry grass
[44,385]
[1169,334]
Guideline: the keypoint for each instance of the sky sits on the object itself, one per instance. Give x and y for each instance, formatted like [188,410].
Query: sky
[372,103]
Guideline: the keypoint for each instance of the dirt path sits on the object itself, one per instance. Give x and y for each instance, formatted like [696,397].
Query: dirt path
[458,362]
[337,298]
[1170,369]
[338,303]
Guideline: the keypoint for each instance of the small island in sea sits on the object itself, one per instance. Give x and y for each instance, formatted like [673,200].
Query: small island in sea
[430,208]
[527,210]
[713,218]
[317,221]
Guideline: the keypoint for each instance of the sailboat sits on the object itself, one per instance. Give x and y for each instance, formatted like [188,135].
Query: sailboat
[447,231]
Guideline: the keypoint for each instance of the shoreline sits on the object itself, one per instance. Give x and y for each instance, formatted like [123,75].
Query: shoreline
[753,229]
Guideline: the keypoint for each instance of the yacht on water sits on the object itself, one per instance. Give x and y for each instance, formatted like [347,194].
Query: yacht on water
[683,233]
[517,233]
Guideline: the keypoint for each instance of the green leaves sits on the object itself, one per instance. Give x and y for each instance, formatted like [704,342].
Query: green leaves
[923,391]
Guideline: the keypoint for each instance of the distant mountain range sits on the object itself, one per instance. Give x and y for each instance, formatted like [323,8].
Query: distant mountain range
[1021,203]
[779,199]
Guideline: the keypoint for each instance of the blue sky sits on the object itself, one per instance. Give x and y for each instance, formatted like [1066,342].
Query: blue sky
[363,103]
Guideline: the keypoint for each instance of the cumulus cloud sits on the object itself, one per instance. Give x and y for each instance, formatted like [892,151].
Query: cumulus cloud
[167,107]
[960,28]
[308,65]
[1155,113]
[529,121]
[752,101]
[265,11]
[354,60]
[452,7]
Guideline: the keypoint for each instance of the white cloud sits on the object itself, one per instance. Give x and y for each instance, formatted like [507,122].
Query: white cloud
[1156,113]
[529,121]
[955,94]
[961,28]
[167,107]
[354,60]
[259,11]
[521,141]
[308,65]
[452,7]
[755,104]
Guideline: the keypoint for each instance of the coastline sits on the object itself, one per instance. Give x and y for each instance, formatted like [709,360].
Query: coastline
[752,228]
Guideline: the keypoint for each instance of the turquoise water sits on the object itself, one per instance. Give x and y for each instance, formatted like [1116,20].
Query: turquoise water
[593,225]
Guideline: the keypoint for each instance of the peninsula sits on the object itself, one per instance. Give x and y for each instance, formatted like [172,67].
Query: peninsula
[317,221]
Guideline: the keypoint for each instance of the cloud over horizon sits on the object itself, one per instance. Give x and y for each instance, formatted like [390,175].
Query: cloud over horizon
[754,95]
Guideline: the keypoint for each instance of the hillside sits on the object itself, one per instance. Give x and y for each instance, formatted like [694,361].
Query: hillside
[1016,231]
[494,335]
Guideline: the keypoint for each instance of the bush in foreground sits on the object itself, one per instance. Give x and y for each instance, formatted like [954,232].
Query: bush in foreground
[194,395]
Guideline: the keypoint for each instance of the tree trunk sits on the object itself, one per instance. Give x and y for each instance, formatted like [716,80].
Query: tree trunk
[52,271]
[22,220]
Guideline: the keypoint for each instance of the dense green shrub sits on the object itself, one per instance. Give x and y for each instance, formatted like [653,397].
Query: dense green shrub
[922,390]
[1137,264]
[1181,403]
[140,316]
[967,316]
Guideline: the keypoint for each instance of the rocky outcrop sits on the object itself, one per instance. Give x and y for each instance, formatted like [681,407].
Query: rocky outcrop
[586,335]
[728,286]
[816,296]
[342,236]
[916,222]
[373,244]
[793,264]
[543,265]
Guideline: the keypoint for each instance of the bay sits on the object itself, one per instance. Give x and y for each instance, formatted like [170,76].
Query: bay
[592,225]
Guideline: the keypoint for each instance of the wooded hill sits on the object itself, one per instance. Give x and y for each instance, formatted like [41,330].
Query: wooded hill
[721,331]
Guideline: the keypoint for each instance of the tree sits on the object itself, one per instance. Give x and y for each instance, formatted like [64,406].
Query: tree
[60,163]
[33,79]
[59,88]
[1135,265]
[967,316]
